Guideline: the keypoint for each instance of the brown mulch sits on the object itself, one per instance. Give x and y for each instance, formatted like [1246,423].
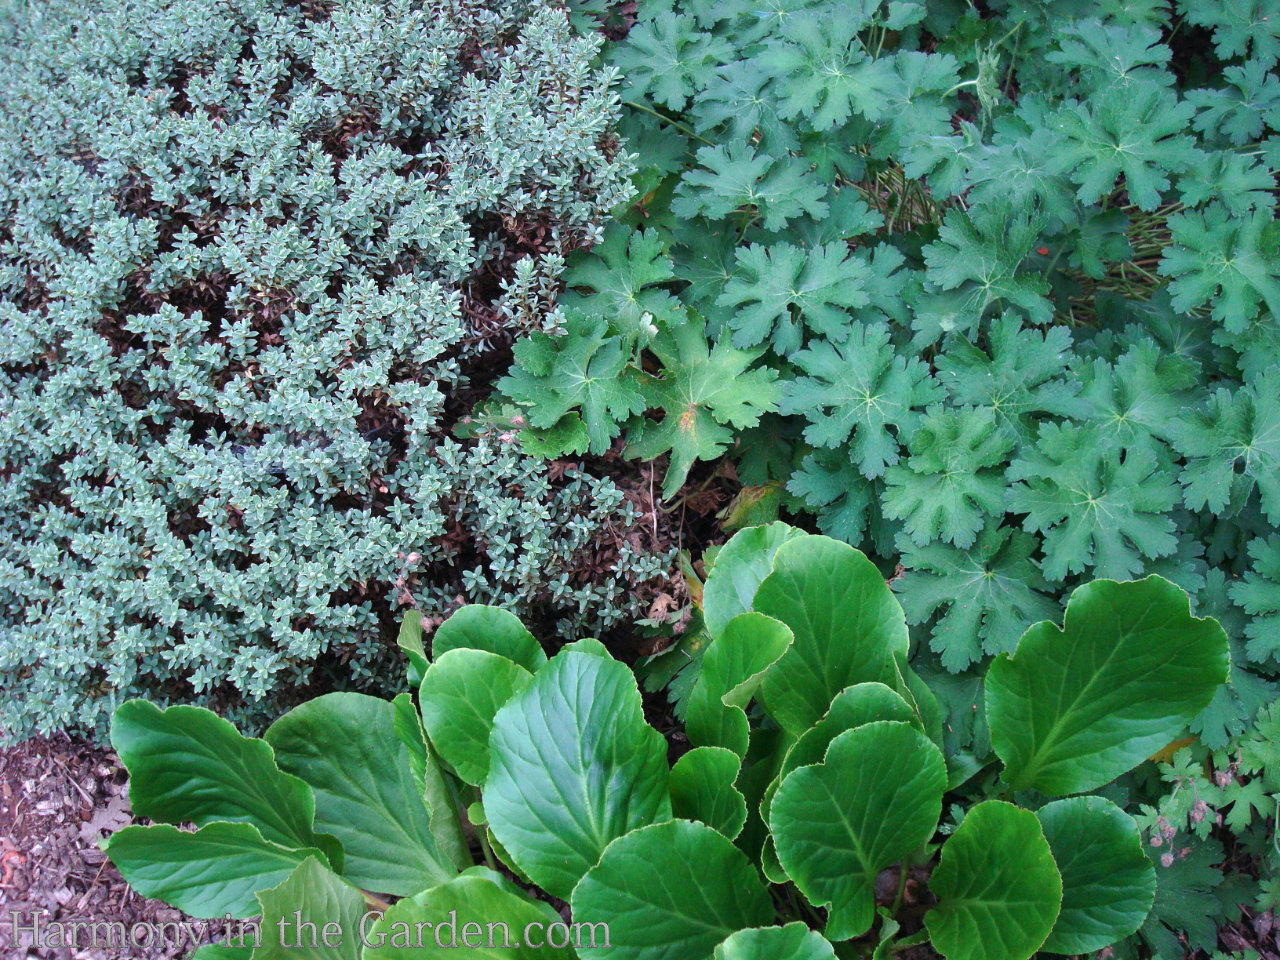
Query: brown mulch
[57,797]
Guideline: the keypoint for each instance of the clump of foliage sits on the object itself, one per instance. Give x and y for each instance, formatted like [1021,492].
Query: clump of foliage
[254,258]
[989,290]
[819,759]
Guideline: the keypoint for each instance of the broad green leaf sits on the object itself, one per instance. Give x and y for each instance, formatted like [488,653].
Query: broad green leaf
[846,622]
[733,668]
[346,747]
[480,627]
[671,891]
[220,951]
[188,765]
[795,941]
[740,566]
[702,789]
[1075,707]
[313,894]
[1108,883]
[437,793]
[852,707]
[209,873]
[874,800]
[573,765]
[998,888]
[461,692]
[410,641]
[488,920]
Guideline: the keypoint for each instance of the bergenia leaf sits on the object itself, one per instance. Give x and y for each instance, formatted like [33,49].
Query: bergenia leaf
[875,798]
[848,628]
[573,765]
[346,747]
[672,891]
[1108,884]
[1076,706]
[998,888]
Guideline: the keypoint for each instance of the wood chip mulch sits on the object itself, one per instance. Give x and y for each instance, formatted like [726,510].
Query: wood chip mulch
[57,798]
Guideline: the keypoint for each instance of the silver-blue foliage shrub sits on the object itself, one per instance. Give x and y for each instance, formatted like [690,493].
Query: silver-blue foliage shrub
[256,258]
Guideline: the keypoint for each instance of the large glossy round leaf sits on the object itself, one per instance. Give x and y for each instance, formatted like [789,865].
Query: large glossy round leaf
[852,707]
[733,668]
[740,566]
[345,745]
[209,873]
[671,892]
[188,765]
[1076,707]
[874,800]
[479,627]
[573,765]
[476,915]
[702,789]
[459,696]
[795,941]
[312,895]
[438,794]
[220,951]
[1108,882]
[998,888]
[847,625]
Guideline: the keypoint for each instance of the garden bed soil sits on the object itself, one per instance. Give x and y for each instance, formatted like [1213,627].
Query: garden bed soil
[57,797]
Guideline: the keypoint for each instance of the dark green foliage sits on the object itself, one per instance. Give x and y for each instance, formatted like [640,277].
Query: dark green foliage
[252,259]
[1013,267]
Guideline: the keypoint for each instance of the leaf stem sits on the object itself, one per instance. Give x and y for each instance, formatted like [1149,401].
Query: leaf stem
[663,117]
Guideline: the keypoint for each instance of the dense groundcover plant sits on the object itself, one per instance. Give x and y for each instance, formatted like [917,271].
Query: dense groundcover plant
[986,289]
[253,256]
[805,821]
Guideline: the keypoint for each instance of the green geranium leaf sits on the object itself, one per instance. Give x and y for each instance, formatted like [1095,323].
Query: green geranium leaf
[478,912]
[702,789]
[1108,883]
[460,694]
[313,894]
[876,797]
[671,891]
[795,941]
[210,873]
[846,622]
[188,765]
[480,627]
[1075,707]
[733,668]
[346,747]
[998,888]
[740,566]
[573,765]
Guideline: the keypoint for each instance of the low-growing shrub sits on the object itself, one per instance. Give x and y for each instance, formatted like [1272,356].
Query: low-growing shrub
[819,758]
[256,257]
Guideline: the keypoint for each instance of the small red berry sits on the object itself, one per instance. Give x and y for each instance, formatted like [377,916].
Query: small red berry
[1043,251]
